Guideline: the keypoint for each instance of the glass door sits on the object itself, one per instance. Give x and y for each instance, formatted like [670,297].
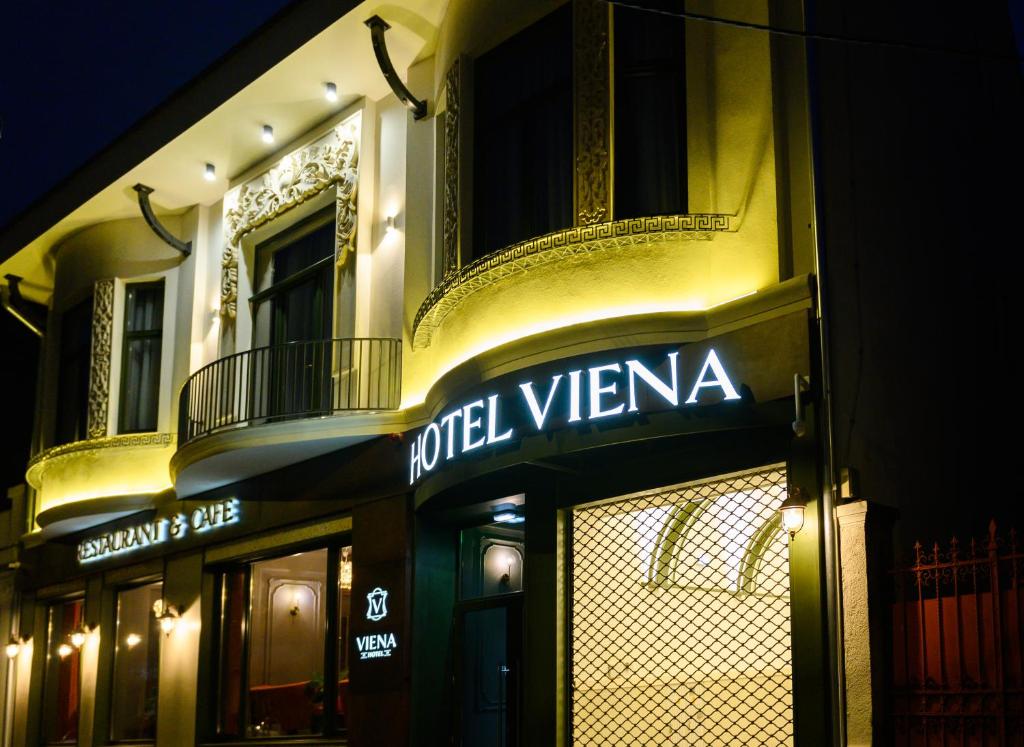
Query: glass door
[293,313]
[488,670]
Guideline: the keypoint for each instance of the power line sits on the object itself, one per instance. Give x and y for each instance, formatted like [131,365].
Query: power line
[814,36]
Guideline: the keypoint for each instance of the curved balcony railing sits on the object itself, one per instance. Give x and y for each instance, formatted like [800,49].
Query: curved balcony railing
[291,381]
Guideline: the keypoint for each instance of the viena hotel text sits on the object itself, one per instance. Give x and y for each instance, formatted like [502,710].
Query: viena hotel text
[584,395]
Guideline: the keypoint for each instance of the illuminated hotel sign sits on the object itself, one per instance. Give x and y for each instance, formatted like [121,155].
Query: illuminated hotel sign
[376,645]
[576,396]
[159,531]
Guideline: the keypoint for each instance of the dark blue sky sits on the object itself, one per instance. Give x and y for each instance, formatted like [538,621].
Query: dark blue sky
[75,75]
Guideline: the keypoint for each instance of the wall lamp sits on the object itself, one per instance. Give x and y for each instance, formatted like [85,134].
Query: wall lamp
[14,647]
[792,510]
[508,513]
[166,615]
[79,635]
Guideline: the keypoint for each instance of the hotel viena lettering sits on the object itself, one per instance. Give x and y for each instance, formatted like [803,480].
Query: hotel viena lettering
[139,536]
[585,394]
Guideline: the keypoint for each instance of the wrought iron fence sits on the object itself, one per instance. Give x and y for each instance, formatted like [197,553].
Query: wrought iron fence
[680,617]
[294,380]
[957,665]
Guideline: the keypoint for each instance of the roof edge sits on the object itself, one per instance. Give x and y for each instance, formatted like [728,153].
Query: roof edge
[272,42]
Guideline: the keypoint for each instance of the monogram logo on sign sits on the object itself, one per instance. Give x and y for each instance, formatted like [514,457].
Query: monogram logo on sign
[378,608]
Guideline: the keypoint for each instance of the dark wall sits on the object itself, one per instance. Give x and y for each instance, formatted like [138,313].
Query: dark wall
[921,166]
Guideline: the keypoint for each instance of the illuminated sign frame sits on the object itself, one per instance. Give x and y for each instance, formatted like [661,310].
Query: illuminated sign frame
[140,536]
[583,395]
[376,645]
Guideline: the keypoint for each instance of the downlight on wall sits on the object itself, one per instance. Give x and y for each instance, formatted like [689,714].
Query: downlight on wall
[209,172]
[508,513]
[331,92]
[267,134]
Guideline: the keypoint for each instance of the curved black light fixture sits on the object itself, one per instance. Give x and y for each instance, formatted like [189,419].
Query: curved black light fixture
[377,27]
[185,247]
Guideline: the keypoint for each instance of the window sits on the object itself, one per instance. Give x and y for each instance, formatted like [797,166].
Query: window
[140,362]
[650,113]
[73,383]
[136,664]
[284,628]
[522,135]
[294,282]
[61,681]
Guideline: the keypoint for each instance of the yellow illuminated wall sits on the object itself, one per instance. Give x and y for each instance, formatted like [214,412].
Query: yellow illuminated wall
[731,172]
[103,468]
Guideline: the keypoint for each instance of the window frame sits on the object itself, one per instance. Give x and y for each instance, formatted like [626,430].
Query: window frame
[332,602]
[264,252]
[135,583]
[49,604]
[127,337]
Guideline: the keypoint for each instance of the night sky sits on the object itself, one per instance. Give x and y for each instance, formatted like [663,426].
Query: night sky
[73,77]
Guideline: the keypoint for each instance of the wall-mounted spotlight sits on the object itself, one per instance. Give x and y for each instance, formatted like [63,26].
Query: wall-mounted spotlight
[14,647]
[389,225]
[268,134]
[331,92]
[792,510]
[209,172]
[508,513]
[78,635]
[166,615]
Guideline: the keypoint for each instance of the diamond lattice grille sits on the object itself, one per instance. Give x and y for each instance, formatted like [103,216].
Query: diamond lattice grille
[680,617]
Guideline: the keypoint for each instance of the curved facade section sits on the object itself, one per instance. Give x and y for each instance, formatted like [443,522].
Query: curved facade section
[82,483]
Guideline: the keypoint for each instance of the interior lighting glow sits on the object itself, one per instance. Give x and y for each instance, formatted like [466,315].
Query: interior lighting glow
[13,648]
[132,640]
[268,134]
[64,650]
[77,638]
[209,172]
[331,92]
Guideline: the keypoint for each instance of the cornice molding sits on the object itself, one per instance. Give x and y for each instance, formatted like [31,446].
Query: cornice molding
[552,247]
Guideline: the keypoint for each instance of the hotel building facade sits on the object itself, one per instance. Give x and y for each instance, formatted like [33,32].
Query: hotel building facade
[492,401]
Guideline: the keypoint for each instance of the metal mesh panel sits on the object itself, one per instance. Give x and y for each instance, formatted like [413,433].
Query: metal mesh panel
[680,617]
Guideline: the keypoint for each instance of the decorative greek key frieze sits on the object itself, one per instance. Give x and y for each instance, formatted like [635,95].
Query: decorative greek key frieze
[99,362]
[552,247]
[450,209]
[129,440]
[592,89]
[333,160]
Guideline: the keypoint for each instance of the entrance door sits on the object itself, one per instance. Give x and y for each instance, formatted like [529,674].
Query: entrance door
[488,671]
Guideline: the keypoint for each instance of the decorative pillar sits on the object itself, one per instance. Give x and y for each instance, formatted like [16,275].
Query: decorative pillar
[450,207]
[99,363]
[592,112]
[863,609]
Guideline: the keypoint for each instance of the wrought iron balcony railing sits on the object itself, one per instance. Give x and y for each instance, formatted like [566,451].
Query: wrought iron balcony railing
[291,381]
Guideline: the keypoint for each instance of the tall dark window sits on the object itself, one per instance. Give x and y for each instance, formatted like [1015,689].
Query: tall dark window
[73,382]
[522,135]
[284,626]
[61,681]
[294,282]
[650,113]
[136,664]
[140,362]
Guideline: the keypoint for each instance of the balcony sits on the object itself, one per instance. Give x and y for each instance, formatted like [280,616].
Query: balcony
[264,408]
